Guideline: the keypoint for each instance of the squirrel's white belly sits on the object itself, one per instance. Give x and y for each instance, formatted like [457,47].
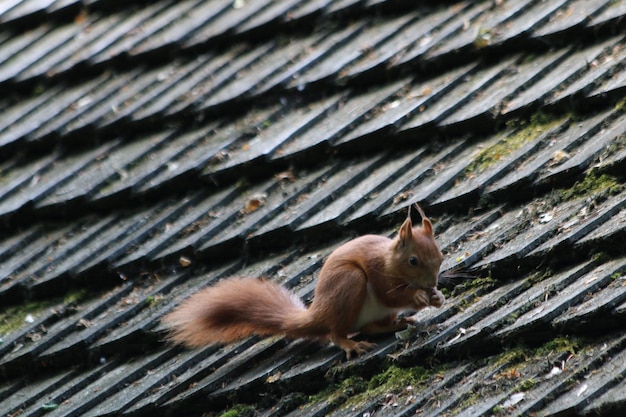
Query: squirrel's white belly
[372,311]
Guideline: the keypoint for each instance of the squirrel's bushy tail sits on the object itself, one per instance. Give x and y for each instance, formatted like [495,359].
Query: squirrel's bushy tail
[236,308]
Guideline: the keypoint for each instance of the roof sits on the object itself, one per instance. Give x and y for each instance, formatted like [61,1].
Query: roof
[148,149]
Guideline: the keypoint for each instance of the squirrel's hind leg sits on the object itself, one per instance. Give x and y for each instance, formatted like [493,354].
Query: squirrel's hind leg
[338,301]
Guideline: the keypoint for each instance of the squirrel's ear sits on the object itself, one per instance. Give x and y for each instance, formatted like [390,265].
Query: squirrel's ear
[406,232]
[426,224]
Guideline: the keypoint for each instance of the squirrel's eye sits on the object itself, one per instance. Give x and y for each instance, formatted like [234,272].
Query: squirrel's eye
[413,260]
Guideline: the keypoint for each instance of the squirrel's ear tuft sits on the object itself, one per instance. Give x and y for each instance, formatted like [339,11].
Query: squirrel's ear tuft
[426,224]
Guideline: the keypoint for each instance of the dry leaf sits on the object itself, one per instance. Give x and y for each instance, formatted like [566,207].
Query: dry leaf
[254,203]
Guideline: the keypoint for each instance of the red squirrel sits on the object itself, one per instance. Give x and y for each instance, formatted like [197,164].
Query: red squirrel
[362,287]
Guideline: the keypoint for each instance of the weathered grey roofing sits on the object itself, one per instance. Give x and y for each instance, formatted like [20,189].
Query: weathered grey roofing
[150,149]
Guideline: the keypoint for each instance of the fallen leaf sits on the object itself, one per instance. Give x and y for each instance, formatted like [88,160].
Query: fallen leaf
[254,203]
[273,378]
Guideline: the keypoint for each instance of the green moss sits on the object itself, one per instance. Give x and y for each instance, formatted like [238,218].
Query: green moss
[38,89]
[542,119]
[351,385]
[393,379]
[76,297]
[621,105]
[600,257]
[539,276]
[509,319]
[559,345]
[511,356]
[476,283]
[13,318]
[354,391]
[526,385]
[242,183]
[338,393]
[525,133]
[239,410]
[446,292]
[153,300]
[484,37]
[598,185]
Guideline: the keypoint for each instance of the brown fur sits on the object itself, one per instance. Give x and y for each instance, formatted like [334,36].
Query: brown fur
[234,309]
[361,286]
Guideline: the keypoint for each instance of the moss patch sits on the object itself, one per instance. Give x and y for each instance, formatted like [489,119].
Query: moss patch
[239,410]
[76,297]
[476,283]
[356,391]
[511,356]
[621,105]
[525,133]
[14,317]
[559,345]
[154,300]
[598,185]
[337,394]
[539,276]
[519,354]
[526,385]
[393,380]
[395,377]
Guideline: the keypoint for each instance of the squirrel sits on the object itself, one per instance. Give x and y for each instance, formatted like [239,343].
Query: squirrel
[361,288]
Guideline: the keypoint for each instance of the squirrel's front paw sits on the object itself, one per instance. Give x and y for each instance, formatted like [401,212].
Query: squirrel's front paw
[421,298]
[436,298]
